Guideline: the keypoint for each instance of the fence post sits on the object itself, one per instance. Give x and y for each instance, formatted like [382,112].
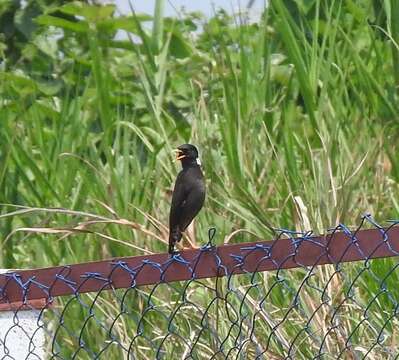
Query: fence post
[22,334]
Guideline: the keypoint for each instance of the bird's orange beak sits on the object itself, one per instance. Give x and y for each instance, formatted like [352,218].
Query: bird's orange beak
[179,154]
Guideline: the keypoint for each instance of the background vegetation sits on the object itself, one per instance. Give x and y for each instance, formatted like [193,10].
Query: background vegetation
[295,115]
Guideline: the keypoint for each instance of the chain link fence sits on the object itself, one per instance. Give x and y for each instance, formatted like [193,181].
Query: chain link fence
[298,297]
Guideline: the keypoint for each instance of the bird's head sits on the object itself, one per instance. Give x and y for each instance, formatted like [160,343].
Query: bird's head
[187,153]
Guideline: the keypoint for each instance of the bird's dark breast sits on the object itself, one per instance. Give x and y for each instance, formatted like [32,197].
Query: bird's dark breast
[194,196]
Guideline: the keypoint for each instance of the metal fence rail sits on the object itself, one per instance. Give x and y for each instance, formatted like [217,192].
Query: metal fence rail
[261,300]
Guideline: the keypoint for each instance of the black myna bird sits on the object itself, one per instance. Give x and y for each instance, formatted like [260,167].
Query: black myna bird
[188,194]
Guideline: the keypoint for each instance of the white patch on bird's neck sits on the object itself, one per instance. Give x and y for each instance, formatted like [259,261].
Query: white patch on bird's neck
[198,161]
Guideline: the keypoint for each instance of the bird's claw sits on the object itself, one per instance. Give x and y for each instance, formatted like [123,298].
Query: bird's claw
[174,253]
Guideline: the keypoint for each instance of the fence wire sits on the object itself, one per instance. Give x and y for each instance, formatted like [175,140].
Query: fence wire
[298,309]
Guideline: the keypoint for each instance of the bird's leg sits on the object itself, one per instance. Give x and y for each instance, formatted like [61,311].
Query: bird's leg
[174,252]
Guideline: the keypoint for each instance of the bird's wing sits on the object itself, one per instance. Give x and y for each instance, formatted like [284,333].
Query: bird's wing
[191,207]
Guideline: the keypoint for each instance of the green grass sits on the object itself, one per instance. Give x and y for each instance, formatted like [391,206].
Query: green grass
[296,119]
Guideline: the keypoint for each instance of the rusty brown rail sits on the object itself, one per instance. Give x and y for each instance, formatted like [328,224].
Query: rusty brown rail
[333,248]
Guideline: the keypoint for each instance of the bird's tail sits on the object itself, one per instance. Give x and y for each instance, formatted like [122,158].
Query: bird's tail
[174,237]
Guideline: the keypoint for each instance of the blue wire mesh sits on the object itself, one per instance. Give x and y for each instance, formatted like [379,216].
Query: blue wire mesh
[335,311]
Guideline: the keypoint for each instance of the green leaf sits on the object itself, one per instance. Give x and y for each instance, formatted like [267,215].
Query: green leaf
[47,44]
[49,87]
[140,134]
[128,23]
[93,13]
[80,26]
[179,47]
[20,82]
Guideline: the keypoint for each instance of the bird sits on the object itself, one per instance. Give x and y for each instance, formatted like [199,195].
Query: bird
[188,194]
